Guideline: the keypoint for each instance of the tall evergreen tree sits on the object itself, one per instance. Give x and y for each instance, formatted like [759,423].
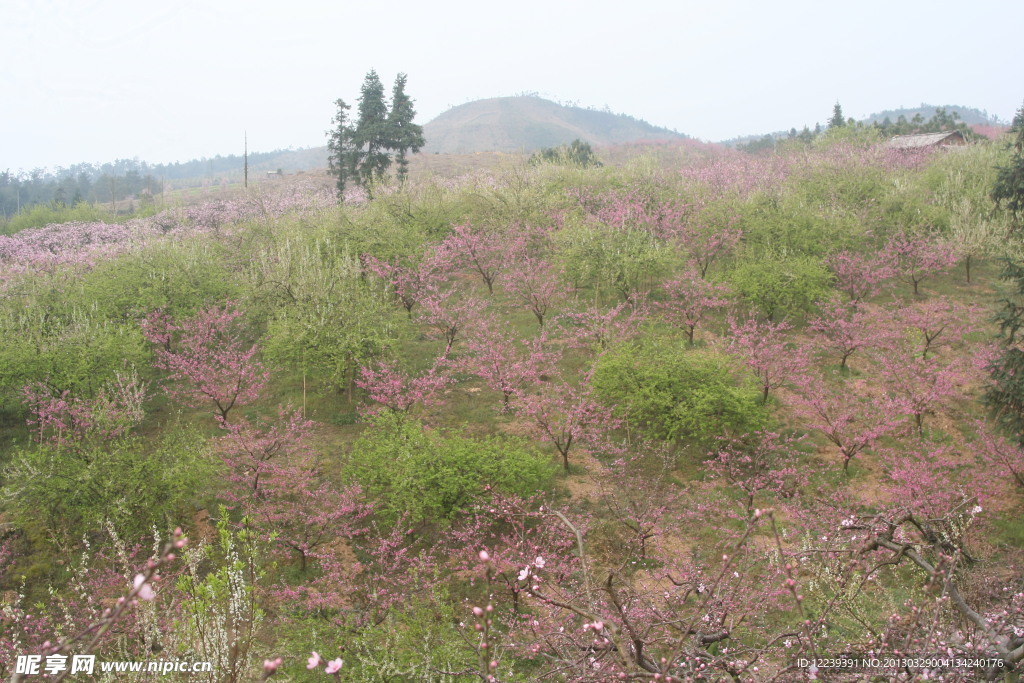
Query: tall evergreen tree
[1005,394]
[361,150]
[404,135]
[371,132]
[1008,191]
[344,157]
[837,119]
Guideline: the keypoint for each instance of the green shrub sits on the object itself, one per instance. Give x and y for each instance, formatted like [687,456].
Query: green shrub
[430,476]
[323,316]
[60,493]
[76,353]
[672,392]
[181,277]
[782,286]
[605,258]
[576,153]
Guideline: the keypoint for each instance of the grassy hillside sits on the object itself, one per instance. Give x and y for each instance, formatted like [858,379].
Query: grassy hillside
[696,415]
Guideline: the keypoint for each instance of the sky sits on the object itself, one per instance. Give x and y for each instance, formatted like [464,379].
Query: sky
[93,81]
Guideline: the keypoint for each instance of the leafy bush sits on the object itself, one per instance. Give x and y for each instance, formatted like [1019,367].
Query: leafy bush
[63,492]
[324,317]
[802,221]
[576,153]
[433,476]
[76,353]
[782,286]
[690,396]
[623,260]
[180,278]
[331,339]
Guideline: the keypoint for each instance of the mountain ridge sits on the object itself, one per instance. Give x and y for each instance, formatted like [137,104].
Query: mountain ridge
[525,123]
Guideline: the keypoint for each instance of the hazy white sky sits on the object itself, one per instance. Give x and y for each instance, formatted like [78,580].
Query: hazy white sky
[93,81]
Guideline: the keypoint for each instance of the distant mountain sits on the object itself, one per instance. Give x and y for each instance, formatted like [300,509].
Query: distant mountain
[527,123]
[968,115]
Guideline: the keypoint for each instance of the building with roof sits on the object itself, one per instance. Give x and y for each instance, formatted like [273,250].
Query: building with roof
[923,140]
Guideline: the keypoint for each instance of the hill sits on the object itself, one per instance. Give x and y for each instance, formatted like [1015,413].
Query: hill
[968,115]
[526,123]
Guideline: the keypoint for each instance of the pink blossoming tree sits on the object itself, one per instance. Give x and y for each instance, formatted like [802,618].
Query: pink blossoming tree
[394,389]
[849,418]
[762,462]
[535,284]
[689,300]
[913,258]
[507,366]
[765,350]
[859,275]
[67,419]
[207,359]
[843,328]
[486,252]
[451,315]
[566,415]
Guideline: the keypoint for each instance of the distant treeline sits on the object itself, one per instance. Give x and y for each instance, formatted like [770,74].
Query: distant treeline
[132,178]
[924,119]
[81,183]
[941,121]
[969,115]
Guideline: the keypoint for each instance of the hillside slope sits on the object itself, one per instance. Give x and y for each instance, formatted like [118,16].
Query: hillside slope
[525,123]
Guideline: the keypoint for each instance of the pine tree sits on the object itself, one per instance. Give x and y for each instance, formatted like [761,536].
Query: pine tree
[361,150]
[1005,395]
[371,132]
[837,119]
[343,158]
[1008,192]
[404,135]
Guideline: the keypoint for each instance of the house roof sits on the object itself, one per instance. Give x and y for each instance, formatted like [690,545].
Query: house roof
[923,139]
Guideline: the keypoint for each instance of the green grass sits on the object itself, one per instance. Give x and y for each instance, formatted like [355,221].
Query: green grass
[1009,531]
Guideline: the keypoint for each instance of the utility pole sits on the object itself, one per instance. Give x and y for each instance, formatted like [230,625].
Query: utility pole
[247,159]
